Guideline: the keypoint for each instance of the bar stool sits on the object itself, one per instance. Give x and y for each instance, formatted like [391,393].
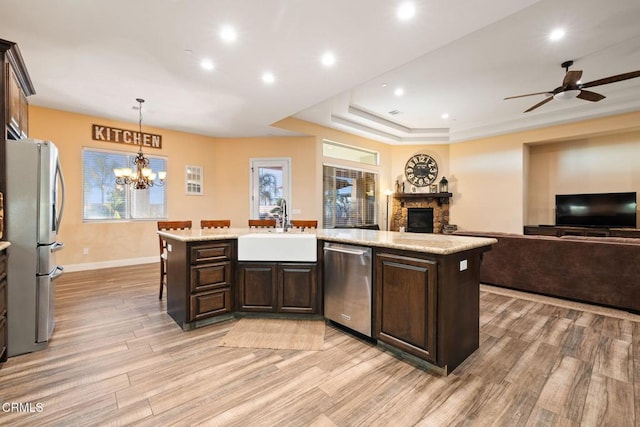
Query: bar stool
[165,226]
[215,223]
[262,223]
[304,223]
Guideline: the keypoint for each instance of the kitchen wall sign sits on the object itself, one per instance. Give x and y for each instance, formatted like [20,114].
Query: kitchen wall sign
[124,136]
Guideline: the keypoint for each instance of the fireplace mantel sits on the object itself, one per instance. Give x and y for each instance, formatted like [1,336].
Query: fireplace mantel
[440,197]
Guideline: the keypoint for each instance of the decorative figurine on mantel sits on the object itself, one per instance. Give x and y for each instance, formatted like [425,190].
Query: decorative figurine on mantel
[444,185]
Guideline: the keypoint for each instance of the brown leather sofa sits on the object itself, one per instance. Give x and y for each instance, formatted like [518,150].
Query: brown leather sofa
[597,270]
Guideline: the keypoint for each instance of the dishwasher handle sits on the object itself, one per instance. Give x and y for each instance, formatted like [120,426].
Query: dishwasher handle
[347,251]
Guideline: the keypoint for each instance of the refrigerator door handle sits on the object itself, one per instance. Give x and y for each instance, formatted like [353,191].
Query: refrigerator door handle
[62,188]
[57,272]
[56,246]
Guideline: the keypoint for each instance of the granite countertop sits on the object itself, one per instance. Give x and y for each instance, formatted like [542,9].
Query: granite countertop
[442,244]
[4,245]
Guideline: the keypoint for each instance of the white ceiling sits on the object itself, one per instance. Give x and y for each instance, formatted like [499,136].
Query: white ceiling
[462,57]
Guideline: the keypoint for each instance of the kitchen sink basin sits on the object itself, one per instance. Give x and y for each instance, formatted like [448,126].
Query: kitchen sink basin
[277,247]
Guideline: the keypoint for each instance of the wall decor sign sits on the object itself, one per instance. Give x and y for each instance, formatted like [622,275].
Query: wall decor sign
[124,136]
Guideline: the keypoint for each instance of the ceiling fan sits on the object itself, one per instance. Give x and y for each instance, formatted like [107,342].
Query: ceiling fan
[572,88]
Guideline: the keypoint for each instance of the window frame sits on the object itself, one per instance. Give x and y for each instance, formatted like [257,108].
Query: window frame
[195,179]
[375,193]
[129,199]
[254,194]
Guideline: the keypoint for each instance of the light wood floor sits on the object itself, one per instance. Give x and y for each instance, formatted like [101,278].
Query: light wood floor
[116,358]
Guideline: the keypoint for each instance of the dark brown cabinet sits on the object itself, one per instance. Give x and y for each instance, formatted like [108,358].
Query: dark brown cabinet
[15,87]
[200,285]
[17,106]
[297,288]
[428,305]
[3,306]
[406,296]
[270,287]
[257,289]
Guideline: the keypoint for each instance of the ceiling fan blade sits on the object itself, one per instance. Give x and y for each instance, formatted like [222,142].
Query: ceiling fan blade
[529,94]
[590,96]
[539,104]
[612,79]
[571,78]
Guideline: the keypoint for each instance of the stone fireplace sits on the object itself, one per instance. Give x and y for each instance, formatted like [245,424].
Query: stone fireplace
[402,202]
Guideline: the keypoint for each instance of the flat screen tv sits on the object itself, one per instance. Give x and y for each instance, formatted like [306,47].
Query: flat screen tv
[597,210]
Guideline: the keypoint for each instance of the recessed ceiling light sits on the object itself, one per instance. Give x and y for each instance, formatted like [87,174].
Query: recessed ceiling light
[557,34]
[188,51]
[328,59]
[228,34]
[383,85]
[268,77]
[398,92]
[406,11]
[207,64]
[445,116]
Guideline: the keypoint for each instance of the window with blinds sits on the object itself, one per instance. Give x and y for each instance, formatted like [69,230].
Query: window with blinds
[349,197]
[104,200]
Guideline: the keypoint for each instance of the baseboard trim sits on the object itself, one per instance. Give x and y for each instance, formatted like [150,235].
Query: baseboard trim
[109,264]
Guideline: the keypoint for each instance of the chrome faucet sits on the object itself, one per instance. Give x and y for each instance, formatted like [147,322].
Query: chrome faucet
[285,215]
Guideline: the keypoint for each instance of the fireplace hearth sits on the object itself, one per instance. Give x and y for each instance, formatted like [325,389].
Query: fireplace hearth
[420,220]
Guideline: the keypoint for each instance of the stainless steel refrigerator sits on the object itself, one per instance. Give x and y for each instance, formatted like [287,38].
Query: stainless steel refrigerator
[34,202]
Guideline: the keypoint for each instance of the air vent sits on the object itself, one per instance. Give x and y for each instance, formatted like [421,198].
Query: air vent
[394,112]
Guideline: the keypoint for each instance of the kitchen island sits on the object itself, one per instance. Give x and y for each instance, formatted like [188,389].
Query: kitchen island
[425,295]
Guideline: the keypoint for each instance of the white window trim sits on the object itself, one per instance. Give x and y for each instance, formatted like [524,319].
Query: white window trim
[255,162]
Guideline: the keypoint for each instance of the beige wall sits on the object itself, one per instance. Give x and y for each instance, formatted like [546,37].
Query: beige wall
[401,153]
[119,243]
[231,174]
[226,164]
[599,164]
[321,133]
[491,177]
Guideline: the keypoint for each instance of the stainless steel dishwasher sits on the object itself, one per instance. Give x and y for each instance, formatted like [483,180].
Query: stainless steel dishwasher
[347,286]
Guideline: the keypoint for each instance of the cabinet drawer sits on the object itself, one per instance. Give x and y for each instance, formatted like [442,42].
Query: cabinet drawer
[3,298]
[3,266]
[210,304]
[211,252]
[210,276]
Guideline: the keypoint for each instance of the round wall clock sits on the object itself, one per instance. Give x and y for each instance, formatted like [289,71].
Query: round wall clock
[421,170]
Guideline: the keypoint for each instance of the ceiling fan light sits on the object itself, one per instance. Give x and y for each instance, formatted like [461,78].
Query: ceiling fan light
[567,94]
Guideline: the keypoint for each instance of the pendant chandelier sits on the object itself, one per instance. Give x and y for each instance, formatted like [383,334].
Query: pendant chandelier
[142,176]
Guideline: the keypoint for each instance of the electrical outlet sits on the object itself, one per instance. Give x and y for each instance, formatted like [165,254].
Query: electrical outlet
[169,247]
[463,265]
[296,211]
[85,251]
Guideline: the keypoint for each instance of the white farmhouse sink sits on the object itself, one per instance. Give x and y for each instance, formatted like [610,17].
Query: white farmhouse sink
[277,247]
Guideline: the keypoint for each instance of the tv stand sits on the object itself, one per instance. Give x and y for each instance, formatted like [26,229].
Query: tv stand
[559,231]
